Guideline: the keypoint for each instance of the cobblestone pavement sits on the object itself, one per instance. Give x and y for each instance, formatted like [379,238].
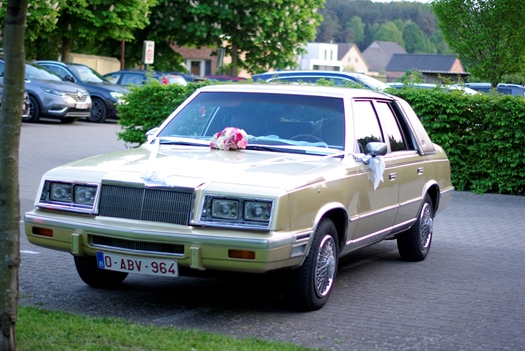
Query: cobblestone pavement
[468,295]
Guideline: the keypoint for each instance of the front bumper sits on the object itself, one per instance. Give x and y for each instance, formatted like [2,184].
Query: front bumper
[200,248]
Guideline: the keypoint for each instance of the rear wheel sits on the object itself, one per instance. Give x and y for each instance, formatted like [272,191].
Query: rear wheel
[93,276]
[99,111]
[414,244]
[34,110]
[308,287]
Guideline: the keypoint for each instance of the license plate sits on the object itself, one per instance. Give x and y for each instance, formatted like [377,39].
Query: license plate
[141,265]
[81,106]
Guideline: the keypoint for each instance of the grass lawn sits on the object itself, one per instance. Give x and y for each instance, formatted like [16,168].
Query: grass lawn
[39,330]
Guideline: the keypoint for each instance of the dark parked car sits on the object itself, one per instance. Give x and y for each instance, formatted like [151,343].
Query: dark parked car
[139,77]
[510,89]
[338,78]
[105,95]
[49,96]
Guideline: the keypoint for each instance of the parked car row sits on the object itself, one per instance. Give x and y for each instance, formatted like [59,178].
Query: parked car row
[139,77]
[510,89]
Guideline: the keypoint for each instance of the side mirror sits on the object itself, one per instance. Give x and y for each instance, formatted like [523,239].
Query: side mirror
[376,149]
[150,134]
[69,78]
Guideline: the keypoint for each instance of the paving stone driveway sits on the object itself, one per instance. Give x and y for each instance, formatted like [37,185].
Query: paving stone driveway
[469,294]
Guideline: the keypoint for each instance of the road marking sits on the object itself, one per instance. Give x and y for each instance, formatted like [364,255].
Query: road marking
[29,252]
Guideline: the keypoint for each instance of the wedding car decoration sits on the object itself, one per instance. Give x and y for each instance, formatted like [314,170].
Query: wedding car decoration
[229,139]
[324,172]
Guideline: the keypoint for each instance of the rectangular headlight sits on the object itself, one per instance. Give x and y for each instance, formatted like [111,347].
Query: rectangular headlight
[239,212]
[257,211]
[68,196]
[225,208]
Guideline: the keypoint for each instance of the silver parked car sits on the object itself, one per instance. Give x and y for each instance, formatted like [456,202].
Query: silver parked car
[49,96]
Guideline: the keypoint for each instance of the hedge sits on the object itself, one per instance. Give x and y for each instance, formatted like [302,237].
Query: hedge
[483,134]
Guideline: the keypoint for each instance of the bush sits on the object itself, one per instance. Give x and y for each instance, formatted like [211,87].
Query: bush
[147,106]
[483,136]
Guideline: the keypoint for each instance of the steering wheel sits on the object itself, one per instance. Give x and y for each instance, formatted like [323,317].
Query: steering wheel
[307,137]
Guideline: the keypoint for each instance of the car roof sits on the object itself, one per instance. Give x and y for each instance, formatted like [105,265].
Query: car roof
[278,88]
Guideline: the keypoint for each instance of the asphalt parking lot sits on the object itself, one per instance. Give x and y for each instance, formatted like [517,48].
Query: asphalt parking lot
[469,294]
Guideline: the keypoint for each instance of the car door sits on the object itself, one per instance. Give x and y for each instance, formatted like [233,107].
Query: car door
[377,207]
[406,167]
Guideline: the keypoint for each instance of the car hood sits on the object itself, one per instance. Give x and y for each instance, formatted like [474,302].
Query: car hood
[108,87]
[197,166]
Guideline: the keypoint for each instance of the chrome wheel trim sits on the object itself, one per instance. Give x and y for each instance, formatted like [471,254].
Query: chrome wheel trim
[325,266]
[426,226]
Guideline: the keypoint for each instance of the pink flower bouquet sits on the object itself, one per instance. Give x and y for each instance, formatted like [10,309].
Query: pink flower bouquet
[229,139]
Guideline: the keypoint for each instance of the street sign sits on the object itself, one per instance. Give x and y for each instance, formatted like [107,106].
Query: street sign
[147,51]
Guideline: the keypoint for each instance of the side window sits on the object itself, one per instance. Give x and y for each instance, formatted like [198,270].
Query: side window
[113,78]
[58,71]
[137,79]
[391,127]
[366,124]
[1,69]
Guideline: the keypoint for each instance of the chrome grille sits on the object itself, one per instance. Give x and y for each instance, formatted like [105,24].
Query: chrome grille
[101,241]
[167,205]
[78,96]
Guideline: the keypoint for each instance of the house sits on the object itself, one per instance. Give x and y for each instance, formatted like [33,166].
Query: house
[432,67]
[200,62]
[351,58]
[379,53]
[320,57]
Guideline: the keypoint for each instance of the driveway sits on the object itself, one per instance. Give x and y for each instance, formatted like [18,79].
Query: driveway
[469,294]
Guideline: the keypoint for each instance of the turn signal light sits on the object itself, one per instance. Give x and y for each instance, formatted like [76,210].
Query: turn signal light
[245,255]
[43,231]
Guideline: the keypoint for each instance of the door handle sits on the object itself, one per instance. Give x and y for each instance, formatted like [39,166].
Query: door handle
[392,176]
[420,171]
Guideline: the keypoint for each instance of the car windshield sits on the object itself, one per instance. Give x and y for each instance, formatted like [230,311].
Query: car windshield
[87,75]
[280,122]
[34,71]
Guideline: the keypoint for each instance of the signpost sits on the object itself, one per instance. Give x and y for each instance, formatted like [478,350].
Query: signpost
[148,51]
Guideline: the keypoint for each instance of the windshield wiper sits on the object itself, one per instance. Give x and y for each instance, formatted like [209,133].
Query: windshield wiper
[274,149]
[182,143]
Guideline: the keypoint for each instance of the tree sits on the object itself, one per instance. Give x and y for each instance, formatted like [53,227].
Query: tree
[98,20]
[256,34]
[10,120]
[357,30]
[41,22]
[415,40]
[488,34]
[389,31]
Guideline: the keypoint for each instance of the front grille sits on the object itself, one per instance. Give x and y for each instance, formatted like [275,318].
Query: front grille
[78,96]
[102,241]
[167,205]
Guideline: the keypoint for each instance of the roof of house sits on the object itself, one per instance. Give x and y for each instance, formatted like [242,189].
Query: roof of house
[379,53]
[342,50]
[422,63]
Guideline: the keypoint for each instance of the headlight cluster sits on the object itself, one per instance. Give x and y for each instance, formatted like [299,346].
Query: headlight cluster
[238,211]
[55,92]
[68,196]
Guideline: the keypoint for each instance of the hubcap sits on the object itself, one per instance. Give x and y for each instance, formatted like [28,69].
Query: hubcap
[325,267]
[426,227]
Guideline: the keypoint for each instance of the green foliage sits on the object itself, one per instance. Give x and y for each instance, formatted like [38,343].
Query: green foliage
[147,106]
[266,33]
[41,330]
[389,31]
[488,35]
[483,136]
[373,15]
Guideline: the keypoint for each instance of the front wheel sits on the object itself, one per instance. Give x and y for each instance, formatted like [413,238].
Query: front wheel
[308,287]
[99,111]
[93,276]
[34,110]
[414,244]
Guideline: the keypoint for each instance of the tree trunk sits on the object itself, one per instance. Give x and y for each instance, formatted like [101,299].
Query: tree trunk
[10,120]
[66,49]
[235,60]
